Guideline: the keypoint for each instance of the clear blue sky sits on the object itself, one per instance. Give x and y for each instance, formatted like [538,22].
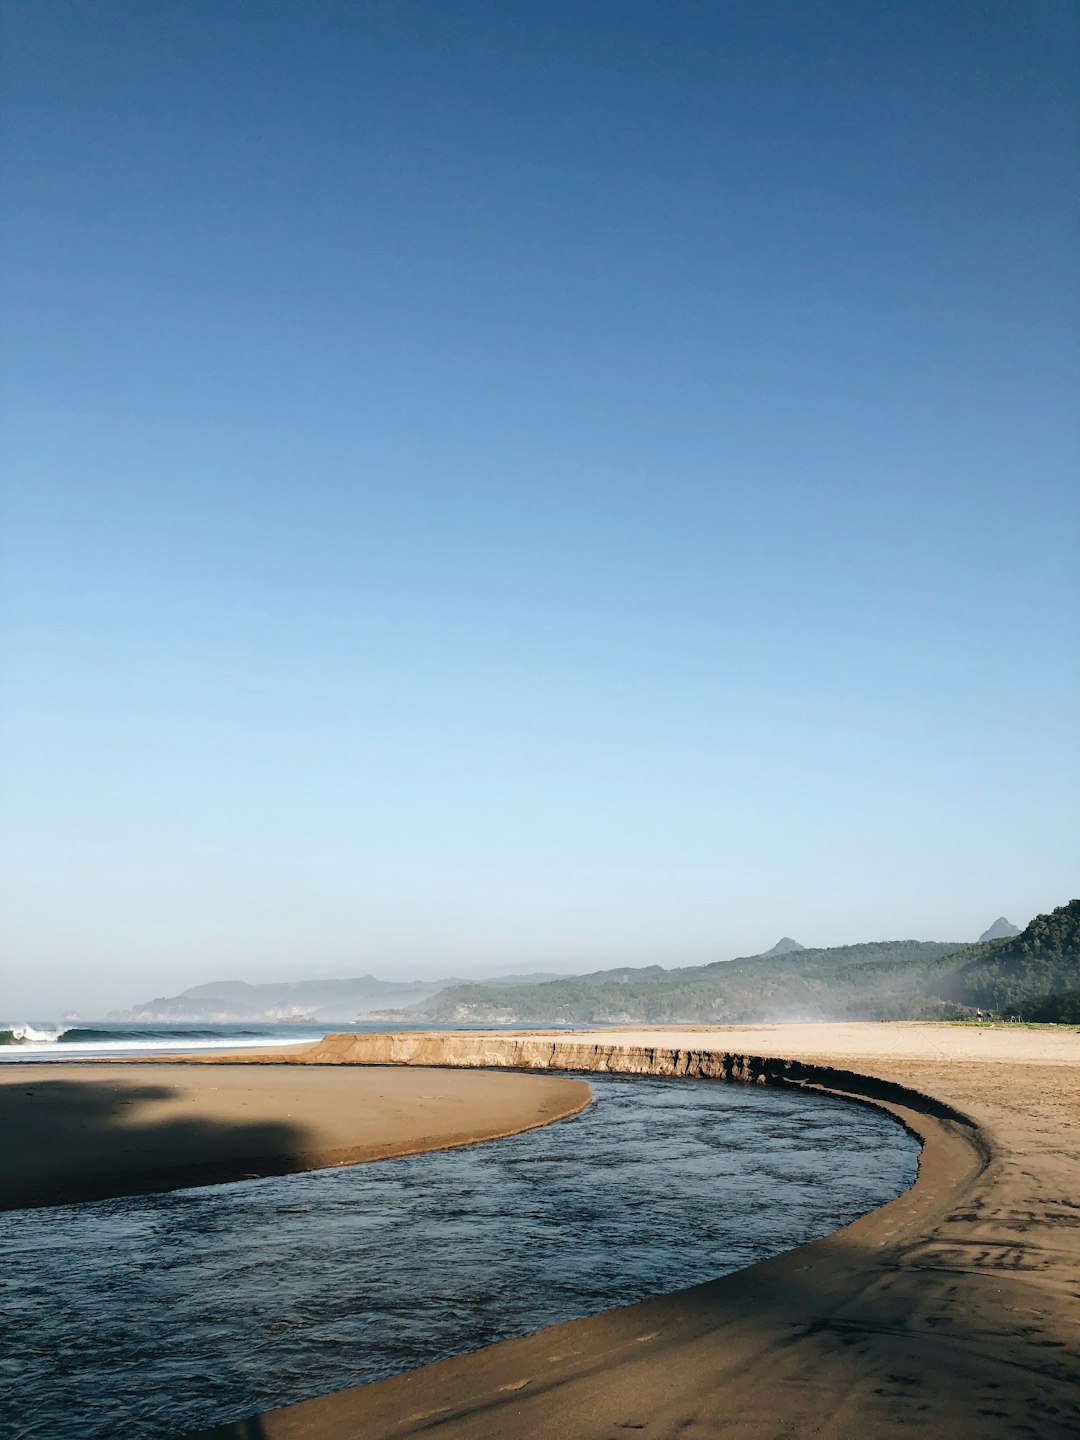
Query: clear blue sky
[496,485]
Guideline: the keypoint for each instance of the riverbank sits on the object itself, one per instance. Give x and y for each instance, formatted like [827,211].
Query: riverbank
[89,1131]
[954,1310]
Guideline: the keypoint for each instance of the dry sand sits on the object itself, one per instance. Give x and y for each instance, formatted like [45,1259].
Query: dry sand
[953,1312]
[86,1131]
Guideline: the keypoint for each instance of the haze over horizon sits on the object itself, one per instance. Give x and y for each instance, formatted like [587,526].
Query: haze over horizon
[89,989]
[522,487]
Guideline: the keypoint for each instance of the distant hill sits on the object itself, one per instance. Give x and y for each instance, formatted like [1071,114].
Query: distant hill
[1016,973]
[222,1001]
[1035,974]
[880,980]
[1001,929]
[534,977]
[784,946]
[799,985]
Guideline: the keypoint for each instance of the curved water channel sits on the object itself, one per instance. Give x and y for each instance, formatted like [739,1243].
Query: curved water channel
[154,1315]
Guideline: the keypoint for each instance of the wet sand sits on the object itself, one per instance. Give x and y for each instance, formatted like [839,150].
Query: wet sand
[88,1131]
[953,1312]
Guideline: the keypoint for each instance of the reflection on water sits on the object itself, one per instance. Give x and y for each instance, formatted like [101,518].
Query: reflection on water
[149,1316]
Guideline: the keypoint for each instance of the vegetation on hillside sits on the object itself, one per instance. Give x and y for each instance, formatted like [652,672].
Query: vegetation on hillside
[1060,1009]
[902,979]
[1007,975]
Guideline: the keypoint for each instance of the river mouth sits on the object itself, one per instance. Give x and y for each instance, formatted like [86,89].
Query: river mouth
[153,1315]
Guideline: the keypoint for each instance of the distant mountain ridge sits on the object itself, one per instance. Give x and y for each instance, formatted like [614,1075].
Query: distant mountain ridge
[789,986]
[222,1001]
[1034,973]
[880,980]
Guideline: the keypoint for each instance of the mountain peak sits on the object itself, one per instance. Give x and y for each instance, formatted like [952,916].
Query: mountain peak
[999,929]
[784,946]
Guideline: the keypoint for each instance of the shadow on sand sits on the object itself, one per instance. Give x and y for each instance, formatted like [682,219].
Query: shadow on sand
[72,1140]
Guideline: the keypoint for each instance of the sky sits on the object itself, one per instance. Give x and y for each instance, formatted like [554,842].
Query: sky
[493,485]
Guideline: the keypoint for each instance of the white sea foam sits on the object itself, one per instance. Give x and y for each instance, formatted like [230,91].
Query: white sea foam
[40,1045]
[28,1035]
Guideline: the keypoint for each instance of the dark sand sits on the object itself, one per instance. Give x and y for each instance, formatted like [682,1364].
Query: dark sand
[87,1131]
[951,1313]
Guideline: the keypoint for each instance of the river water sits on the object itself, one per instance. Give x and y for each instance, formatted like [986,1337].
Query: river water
[150,1316]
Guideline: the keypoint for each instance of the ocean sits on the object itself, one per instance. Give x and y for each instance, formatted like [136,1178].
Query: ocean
[101,1039]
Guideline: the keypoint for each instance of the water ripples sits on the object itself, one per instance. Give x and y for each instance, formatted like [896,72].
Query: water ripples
[154,1315]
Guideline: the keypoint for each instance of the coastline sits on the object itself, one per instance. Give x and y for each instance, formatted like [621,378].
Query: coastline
[953,1309]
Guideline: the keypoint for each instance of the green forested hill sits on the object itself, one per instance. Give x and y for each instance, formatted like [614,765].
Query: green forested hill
[1009,975]
[804,984]
[899,979]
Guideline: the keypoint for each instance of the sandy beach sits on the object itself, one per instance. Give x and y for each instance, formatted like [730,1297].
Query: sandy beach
[87,1131]
[953,1312]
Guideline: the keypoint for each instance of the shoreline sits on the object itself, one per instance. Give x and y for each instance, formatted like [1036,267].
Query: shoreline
[953,1309]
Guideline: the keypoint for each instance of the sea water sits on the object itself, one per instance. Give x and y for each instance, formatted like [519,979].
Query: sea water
[154,1315]
[44,1041]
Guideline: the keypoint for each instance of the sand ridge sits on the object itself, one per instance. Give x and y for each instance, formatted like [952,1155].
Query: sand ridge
[90,1130]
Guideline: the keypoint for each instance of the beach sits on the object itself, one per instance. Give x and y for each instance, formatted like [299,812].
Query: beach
[953,1311]
[90,1131]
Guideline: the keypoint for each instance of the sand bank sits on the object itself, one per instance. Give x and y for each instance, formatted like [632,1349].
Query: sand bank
[86,1131]
[954,1311]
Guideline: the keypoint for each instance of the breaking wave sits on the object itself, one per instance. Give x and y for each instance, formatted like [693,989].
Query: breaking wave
[42,1040]
[80,1034]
